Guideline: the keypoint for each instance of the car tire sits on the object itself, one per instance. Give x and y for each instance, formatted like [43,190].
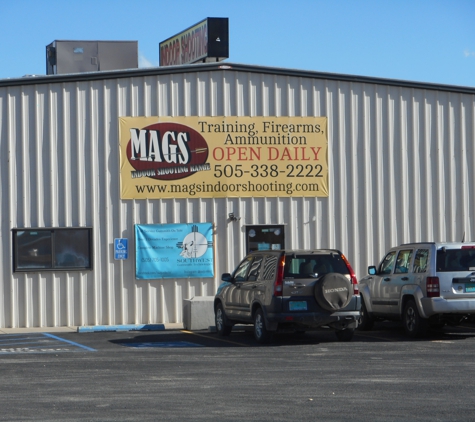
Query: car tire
[333,291]
[345,335]
[414,325]
[366,320]
[223,327]
[261,334]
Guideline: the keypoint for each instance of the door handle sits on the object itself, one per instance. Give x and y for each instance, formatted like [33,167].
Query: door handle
[387,279]
[405,278]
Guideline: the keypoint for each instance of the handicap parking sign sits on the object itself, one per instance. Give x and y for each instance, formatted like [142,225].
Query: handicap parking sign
[121,248]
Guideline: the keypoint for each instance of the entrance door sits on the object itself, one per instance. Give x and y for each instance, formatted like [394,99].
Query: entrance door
[264,238]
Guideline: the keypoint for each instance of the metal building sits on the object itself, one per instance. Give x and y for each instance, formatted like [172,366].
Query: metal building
[400,169]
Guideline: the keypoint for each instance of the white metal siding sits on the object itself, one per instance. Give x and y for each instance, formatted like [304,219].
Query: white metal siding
[401,169]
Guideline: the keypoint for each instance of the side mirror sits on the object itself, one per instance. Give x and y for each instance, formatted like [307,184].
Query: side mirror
[226,277]
[372,270]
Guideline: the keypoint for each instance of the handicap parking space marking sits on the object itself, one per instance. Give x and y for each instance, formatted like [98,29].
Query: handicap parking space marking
[165,344]
[38,343]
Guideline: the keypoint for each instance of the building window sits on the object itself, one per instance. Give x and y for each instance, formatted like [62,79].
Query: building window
[53,249]
[263,238]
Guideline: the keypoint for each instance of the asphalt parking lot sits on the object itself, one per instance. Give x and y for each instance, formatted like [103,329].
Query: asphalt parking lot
[180,375]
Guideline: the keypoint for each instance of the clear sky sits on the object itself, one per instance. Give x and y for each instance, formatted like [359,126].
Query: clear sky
[412,40]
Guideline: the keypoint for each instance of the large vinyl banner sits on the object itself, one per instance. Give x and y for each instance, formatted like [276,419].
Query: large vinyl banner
[216,157]
[174,251]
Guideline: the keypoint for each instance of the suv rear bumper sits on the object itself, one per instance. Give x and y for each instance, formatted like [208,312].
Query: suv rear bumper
[439,305]
[337,320]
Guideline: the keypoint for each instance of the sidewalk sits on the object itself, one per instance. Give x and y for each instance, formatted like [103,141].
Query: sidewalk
[98,328]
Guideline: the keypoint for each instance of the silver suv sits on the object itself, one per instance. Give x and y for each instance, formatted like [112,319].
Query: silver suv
[289,290]
[423,284]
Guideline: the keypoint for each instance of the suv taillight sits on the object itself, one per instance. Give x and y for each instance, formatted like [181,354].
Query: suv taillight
[354,281]
[279,280]
[433,287]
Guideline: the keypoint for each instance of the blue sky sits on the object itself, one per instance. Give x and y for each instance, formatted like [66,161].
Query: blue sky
[413,40]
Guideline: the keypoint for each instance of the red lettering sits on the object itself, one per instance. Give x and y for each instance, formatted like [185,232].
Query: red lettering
[242,154]
[230,152]
[286,154]
[304,156]
[315,153]
[273,153]
[256,154]
[221,154]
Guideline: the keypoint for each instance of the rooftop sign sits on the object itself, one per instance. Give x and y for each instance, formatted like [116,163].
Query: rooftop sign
[207,41]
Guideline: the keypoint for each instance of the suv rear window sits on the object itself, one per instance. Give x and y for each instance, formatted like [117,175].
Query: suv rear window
[304,266]
[456,260]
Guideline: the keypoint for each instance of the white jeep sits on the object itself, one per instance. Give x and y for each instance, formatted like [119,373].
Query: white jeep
[423,284]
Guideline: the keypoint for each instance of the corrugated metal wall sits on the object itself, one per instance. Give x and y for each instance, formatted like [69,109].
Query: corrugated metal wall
[401,168]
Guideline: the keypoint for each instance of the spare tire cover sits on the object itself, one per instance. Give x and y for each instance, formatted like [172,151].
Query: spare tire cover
[333,291]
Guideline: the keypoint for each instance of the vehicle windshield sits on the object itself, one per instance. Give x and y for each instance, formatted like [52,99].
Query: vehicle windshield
[456,260]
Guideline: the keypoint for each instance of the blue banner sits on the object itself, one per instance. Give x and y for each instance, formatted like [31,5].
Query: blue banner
[174,251]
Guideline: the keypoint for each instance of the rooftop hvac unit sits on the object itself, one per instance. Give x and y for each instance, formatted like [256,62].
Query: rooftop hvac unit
[90,56]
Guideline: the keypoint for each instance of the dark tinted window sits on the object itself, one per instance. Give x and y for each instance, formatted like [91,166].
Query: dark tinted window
[304,266]
[33,249]
[72,248]
[52,249]
[456,260]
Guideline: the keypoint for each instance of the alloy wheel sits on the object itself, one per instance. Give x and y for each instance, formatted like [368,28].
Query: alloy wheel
[219,319]
[258,325]
[410,319]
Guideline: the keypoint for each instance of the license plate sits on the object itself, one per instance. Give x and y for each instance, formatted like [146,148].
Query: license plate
[298,306]
[470,288]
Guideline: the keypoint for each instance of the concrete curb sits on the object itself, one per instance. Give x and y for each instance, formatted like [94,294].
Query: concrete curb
[94,328]
[28,330]
[129,327]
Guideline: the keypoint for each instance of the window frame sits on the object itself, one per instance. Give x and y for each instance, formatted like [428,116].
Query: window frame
[54,267]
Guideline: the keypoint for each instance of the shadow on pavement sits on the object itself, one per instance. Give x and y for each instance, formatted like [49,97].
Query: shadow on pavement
[387,331]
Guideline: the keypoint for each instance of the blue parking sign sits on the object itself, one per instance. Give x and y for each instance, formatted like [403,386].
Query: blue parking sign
[121,248]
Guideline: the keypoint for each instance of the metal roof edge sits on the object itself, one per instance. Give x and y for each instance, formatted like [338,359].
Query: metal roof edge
[223,66]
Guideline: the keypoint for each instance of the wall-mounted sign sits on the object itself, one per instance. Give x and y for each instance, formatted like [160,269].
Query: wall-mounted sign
[174,251]
[217,157]
[121,248]
[207,41]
